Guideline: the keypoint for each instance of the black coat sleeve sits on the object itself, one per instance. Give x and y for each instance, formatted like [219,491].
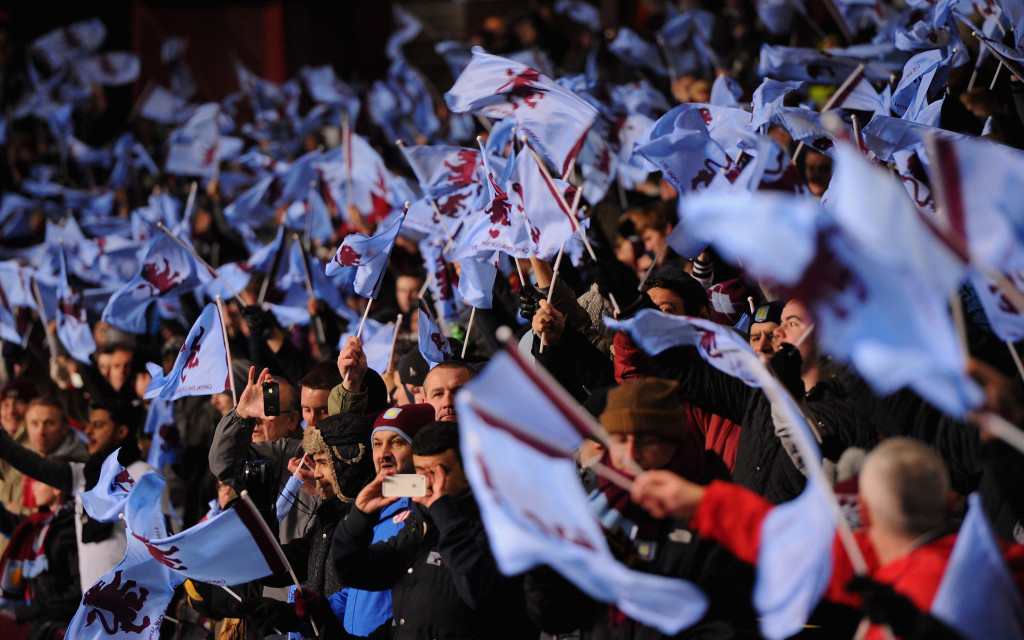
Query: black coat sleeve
[702,384]
[465,551]
[35,466]
[377,566]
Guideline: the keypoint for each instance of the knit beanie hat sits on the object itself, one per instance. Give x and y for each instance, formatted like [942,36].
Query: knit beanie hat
[413,368]
[405,420]
[728,301]
[345,437]
[645,406]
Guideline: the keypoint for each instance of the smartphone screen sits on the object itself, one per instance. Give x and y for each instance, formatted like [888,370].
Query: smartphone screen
[405,485]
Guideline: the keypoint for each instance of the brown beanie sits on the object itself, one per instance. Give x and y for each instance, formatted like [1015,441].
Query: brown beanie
[646,406]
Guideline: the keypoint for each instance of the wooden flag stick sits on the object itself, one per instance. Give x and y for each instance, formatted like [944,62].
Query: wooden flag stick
[51,340]
[213,272]
[1016,358]
[650,269]
[318,324]
[469,328]
[394,340]
[551,285]
[227,350]
[366,312]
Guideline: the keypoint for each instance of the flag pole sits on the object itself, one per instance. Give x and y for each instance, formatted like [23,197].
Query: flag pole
[1016,358]
[394,340]
[275,264]
[227,350]
[571,212]
[317,322]
[551,285]
[51,341]
[213,272]
[469,327]
[650,269]
[366,312]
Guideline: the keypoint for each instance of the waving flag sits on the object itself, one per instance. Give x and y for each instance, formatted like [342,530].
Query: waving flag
[112,68]
[194,149]
[407,27]
[72,325]
[768,99]
[476,282]
[369,255]
[819,67]
[107,500]
[549,221]
[582,12]
[233,547]
[920,73]
[160,105]
[432,342]
[439,277]
[805,126]
[634,50]
[167,443]
[977,596]
[356,175]
[688,160]
[542,517]
[129,601]
[885,135]
[794,561]
[253,208]
[889,324]
[201,367]
[441,169]
[553,118]
[70,41]
[685,40]
[168,270]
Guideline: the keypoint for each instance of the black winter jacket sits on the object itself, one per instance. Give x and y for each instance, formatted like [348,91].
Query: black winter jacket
[444,581]
[762,463]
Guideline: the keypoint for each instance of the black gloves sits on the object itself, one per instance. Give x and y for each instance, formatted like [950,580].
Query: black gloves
[529,299]
[786,365]
[268,616]
[882,605]
[261,322]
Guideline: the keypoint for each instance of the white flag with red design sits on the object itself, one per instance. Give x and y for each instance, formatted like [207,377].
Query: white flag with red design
[552,117]
[194,149]
[201,367]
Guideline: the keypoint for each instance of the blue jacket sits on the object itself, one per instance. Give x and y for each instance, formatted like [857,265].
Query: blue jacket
[364,611]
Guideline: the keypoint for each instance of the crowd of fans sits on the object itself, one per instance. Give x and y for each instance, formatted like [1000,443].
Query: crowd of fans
[705,449]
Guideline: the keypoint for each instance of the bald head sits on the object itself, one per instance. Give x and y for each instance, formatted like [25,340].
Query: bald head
[905,486]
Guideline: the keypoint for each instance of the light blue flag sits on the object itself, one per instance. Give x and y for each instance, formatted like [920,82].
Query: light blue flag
[106,501]
[168,444]
[252,208]
[977,595]
[201,367]
[923,71]
[194,148]
[129,601]
[582,12]
[476,282]
[889,324]
[72,325]
[287,498]
[378,347]
[688,160]
[167,271]
[232,547]
[542,517]
[634,50]
[110,68]
[369,256]
[552,117]
[407,27]
[432,342]
[768,99]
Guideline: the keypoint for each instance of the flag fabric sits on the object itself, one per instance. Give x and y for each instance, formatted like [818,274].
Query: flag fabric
[194,149]
[553,118]
[442,169]
[287,498]
[889,324]
[160,105]
[476,282]
[582,12]
[805,126]
[369,255]
[811,65]
[549,221]
[977,595]
[634,50]
[167,445]
[542,517]
[432,342]
[885,135]
[71,40]
[129,601]
[719,346]
[439,279]
[1011,59]
[111,68]
[921,72]
[72,325]
[1006,320]
[167,271]
[252,207]
[201,367]
[768,99]
[407,27]
[232,547]
[355,175]
[378,347]
[106,501]
[688,160]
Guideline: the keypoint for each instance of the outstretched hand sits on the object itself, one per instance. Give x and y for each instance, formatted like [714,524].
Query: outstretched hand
[250,403]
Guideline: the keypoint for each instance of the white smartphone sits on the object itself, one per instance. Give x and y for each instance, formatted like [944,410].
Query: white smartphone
[405,485]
